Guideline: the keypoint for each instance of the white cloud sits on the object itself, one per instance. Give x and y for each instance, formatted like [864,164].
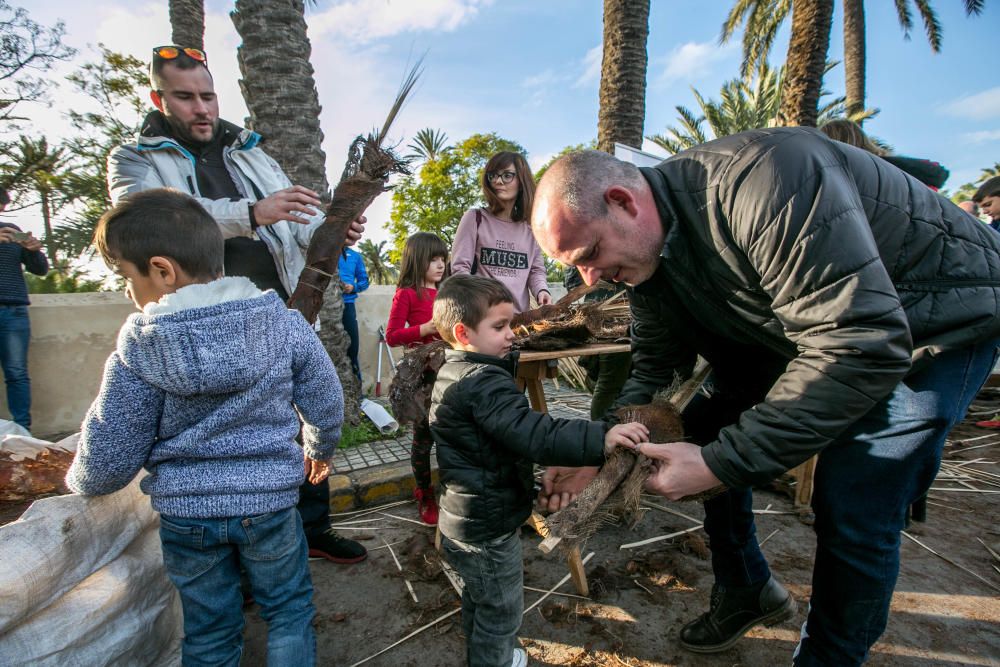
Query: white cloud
[361,21]
[591,67]
[982,136]
[691,61]
[979,106]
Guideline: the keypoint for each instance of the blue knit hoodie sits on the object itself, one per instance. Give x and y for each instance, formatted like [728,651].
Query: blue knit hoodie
[202,391]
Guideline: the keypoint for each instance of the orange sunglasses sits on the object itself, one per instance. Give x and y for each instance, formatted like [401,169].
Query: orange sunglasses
[170,52]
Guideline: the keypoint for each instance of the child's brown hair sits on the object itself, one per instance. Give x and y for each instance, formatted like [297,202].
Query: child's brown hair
[418,252]
[466,299]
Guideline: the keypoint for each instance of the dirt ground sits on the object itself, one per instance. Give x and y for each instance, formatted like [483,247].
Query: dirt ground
[641,598]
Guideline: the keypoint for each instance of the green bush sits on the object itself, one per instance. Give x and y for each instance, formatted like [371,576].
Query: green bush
[56,282]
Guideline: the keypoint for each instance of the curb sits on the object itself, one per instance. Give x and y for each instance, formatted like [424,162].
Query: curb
[376,485]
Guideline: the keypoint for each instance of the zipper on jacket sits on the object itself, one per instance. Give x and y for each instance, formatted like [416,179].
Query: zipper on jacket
[191,185]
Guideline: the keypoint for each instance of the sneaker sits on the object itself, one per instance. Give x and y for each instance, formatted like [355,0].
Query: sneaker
[426,505]
[335,548]
[733,611]
[520,658]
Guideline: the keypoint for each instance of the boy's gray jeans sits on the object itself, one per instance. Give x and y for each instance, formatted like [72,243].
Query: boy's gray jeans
[493,598]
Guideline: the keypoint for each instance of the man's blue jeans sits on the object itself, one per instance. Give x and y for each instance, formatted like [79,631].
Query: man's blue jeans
[492,599]
[203,558]
[15,331]
[864,483]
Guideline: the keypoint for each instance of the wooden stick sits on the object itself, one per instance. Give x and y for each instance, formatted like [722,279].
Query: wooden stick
[409,636]
[356,522]
[556,587]
[646,503]
[453,578]
[773,533]
[937,488]
[403,518]
[949,560]
[391,544]
[370,510]
[992,552]
[563,595]
[947,507]
[633,545]
[409,586]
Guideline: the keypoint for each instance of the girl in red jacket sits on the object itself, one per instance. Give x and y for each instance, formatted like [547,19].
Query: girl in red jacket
[425,260]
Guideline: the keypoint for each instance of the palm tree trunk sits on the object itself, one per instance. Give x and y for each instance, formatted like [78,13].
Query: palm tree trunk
[280,93]
[50,247]
[854,56]
[806,60]
[187,23]
[623,74]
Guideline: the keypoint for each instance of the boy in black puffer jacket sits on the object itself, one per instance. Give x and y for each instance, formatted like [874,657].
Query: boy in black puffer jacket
[488,440]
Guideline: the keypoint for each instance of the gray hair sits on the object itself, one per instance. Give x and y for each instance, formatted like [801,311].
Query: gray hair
[581,178]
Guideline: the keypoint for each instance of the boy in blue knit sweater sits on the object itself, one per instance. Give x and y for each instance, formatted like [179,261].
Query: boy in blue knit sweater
[205,390]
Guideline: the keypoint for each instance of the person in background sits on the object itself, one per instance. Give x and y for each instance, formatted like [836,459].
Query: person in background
[496,240]
[423,266]
[353,281]
[928,172]
[17,248]
[987,197]
[266,221]
[970,207]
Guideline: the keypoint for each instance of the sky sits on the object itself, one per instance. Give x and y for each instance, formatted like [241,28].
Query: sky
[529,70]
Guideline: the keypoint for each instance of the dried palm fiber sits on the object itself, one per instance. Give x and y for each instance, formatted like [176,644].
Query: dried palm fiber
[366,174]
[615,492]
[564,324]
[32,477]
[410,390]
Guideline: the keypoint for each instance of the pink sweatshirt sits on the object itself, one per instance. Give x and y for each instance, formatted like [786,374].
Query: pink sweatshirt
[507,251]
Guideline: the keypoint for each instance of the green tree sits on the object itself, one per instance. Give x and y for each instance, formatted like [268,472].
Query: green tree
[35,169]
[381,270]
[592,145]
[434,199]
[27,51]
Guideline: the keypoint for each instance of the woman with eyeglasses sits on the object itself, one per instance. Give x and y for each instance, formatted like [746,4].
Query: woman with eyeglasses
[496,240]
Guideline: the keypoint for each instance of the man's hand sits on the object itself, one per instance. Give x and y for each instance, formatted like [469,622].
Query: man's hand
[31,243]
[625,435]
[283,204]
[7,235]
[560,486]
[544,298]
[355,231]
[316,471]
[680,470]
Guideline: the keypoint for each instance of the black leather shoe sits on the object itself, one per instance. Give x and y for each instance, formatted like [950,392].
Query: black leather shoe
[733,611]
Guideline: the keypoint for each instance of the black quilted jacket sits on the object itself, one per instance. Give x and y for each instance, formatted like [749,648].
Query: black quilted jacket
[487,439]
[818,255]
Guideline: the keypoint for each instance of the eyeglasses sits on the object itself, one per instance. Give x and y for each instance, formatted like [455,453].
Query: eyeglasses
[170,52]
[504,177]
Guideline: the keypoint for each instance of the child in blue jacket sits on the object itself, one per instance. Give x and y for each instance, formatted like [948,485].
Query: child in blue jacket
[202,392]
[353,281]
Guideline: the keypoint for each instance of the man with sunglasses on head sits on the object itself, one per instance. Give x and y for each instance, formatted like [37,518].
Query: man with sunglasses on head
[266,221]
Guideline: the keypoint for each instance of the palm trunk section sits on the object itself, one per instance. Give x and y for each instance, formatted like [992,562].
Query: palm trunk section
[807,49]
[280,93]
[187,23]
[623,74]
[854,55]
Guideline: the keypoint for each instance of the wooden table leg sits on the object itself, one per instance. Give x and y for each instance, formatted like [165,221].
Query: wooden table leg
[573,560]
[803,475]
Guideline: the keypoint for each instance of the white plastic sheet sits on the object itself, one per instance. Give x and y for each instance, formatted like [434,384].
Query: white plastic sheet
[82,583]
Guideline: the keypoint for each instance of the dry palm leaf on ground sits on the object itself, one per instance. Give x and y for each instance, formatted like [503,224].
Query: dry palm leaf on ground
[557,326]
[369,165]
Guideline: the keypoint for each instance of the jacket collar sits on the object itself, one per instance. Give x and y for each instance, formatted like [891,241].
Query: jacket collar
[661,195]
[156,130]
[508,363]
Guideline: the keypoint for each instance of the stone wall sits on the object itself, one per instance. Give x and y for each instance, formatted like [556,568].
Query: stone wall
[73,334]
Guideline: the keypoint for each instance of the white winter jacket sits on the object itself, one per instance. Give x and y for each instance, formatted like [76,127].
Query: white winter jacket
[161,162]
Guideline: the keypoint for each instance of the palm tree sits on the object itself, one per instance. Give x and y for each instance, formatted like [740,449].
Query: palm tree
[187,22]
[37,167]
[623,74]
[744,105]
[989,172]
[280,93]
[762,18]
[806,61]
[381,270]
[428,144]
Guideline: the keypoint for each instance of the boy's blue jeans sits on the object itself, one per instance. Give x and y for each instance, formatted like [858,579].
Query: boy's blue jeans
[203,558]
[493,597]
[864,483]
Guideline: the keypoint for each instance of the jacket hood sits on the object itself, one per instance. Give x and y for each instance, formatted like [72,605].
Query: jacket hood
[507,362]
[155,129]
[206,338]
